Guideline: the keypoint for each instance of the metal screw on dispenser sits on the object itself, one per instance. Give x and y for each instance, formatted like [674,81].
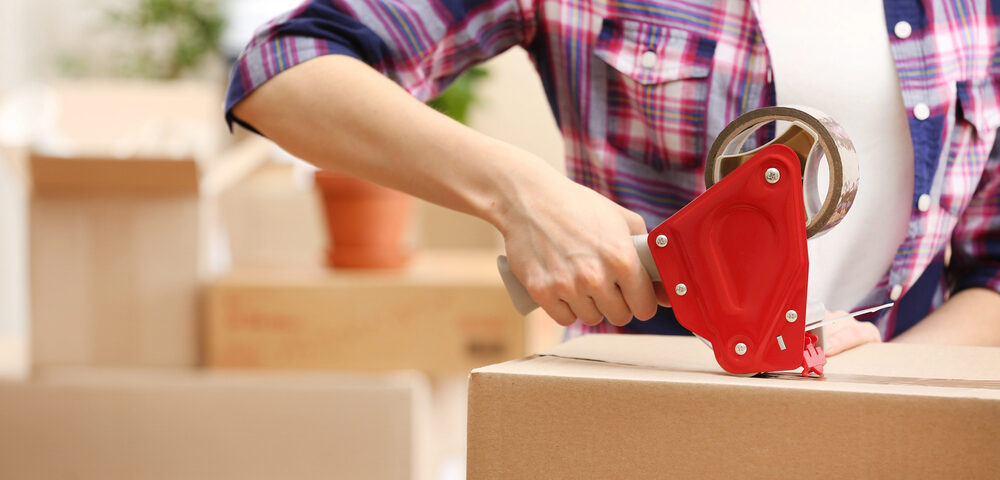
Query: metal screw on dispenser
[661,240]
[791,316]
[741,348]
[681,289]
[772,175]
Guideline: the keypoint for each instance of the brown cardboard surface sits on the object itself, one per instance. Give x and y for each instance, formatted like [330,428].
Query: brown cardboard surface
[634,406]
[131,137]
[102,424]
[112,176]
[273,219]
[113,281]
[447,313]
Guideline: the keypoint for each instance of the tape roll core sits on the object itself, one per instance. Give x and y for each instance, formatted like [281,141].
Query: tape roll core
[826,133]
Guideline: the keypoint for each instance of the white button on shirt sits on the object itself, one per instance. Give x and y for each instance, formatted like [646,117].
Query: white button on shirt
[924,202]
[648,59]
[921,111]
[896,292]
[903,29]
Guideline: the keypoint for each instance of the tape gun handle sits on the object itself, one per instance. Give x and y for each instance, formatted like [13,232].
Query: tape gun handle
[525,304]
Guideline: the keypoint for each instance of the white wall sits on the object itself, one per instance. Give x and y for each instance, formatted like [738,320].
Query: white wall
[34,33]
[514,109]
[12,54]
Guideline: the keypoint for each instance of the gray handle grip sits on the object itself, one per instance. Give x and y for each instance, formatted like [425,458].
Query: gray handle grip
[525,304]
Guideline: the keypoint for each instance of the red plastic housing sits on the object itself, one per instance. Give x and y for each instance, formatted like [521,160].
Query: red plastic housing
[740,252]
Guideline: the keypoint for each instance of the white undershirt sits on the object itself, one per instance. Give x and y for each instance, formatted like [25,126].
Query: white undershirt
[834,56]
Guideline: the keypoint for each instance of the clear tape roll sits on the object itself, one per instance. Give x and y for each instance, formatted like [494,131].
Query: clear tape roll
[812,135]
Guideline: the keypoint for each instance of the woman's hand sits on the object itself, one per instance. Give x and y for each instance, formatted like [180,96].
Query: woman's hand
[847,333]
[572,249]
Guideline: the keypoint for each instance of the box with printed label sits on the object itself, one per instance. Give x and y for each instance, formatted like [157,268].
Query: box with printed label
[446,313]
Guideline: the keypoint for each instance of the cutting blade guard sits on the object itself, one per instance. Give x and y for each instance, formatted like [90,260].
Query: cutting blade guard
[736,266]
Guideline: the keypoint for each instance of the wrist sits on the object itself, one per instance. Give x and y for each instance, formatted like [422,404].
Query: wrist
[518,177]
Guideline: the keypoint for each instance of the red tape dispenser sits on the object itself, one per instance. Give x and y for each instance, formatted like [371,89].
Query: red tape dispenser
[734,261]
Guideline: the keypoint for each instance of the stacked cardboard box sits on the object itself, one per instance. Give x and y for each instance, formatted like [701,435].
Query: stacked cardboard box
[113,222]
[113,262]
[638,406]
[115,202]
[100,424]
[445,314]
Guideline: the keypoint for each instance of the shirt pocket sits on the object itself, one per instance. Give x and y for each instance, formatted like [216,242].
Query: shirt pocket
[980,103]
[976,122]
[657,91]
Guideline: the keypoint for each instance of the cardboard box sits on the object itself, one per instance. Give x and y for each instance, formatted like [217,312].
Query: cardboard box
[274,218]
[446,313]
[127,119]
[116,237]
[636,406]
[113,280]
[104,424]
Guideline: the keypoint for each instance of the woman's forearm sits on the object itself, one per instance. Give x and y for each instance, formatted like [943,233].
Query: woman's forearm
[970,317]
[338,113]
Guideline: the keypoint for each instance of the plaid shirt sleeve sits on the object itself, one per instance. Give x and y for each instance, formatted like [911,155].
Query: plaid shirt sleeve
[423,46]
[975,260]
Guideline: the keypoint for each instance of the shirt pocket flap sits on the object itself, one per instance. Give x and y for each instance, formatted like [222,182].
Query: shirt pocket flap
[980,103]
[651,54]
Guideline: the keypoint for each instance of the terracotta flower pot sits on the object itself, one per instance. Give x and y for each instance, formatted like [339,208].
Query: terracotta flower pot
[368,224]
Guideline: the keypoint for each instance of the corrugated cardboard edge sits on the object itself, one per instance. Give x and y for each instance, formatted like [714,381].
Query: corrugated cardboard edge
[984,383]
[108,176]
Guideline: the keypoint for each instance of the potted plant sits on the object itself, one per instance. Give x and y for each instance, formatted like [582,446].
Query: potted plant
[369,225]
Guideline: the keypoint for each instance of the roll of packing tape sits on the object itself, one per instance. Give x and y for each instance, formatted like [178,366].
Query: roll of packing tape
[813,135]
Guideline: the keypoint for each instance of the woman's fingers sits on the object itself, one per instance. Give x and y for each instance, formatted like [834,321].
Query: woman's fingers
[574,255]
[637,291]
[848,333]
[586,310]
[560,312]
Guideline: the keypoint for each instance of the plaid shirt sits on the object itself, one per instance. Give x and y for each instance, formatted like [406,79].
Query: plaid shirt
[636,124]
